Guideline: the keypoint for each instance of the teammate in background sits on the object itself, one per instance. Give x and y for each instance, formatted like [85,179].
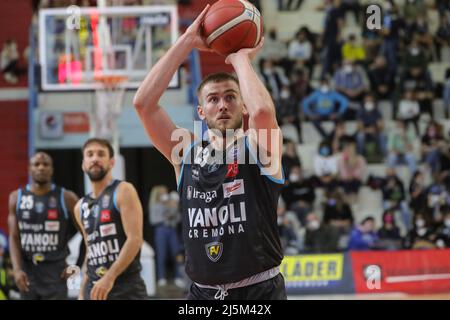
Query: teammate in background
[110,219]
[40,226]
[233,249]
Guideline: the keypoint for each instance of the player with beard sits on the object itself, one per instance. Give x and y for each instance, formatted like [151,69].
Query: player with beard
[111,221]
[40,226]
[229,185]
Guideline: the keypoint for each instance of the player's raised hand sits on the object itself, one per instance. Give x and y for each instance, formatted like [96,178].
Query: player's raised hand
[246,52]
[194,32]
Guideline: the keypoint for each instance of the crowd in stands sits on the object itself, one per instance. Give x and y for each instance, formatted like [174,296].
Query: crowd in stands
[323,78]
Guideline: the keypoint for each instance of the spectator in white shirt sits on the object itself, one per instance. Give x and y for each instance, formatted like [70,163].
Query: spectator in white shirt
[409,110]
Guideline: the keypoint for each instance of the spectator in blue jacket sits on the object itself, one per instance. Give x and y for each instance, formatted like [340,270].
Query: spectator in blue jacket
[363,237]
[321,106]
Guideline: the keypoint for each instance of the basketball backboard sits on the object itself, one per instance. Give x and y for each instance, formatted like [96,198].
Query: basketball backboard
[77,44]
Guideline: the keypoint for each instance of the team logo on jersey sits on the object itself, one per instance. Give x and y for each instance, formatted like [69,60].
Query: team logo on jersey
[39,207]
[52,214]
[105,216]
[26,215]
[105,201]
[108,230]
[52,203]
[233,170]
[37,258]
[51,225]
[233,188]
[100,271]
[214,250]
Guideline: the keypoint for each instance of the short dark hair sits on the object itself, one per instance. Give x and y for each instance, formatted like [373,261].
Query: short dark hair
[216,78]
[102,142]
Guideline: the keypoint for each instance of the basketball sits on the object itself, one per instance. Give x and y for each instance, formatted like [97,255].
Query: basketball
[231,25]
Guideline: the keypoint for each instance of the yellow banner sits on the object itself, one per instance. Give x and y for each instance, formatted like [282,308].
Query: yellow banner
[314,267]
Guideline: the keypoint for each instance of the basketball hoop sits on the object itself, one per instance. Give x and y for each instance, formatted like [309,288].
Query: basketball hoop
[109,95]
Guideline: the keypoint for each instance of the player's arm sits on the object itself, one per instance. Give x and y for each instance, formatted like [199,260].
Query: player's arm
[15,247]
[77,219]
[132,220]
[266,134]
[156,121]
[70,200]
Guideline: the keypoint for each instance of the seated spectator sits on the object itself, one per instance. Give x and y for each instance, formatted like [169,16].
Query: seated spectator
[275,49]
[340,136]
[372,41]
[337,212]
[298,194]
[325,167]
[290,158]
[351,170]
[443,232]
[394,197]
[389,233]
[382,79]
[353,51]
[287,110]
[320,238]
[321,106]
[274,77]
[437,197]
[287,230]
[371,139]
[421,235]
[351,81]
[442,36]
[9,62]
[419,80]
[299,84]
[419,29]
[400,147]
[418,192]
[415,57]
[432,141]
[409,111]
[300,51]
[363,237]
[446,93]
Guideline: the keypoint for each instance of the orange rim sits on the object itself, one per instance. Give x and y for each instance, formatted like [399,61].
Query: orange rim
[110,80]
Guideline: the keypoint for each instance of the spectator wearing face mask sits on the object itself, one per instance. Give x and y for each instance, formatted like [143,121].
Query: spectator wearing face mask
[351,81]
[443,231]
[389,233]
[298,194]
[321,106]
[371,140]
[325,167]
[337,212]
[320,238]
[422,235]
[363,237]
[409,111]
[300,51]
[351,170]
[400,146]
[287,110]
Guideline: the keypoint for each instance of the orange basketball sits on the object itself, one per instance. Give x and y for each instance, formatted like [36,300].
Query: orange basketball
[231,25]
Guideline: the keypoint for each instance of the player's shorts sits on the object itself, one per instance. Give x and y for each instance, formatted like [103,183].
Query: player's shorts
[272,289]
[131,287]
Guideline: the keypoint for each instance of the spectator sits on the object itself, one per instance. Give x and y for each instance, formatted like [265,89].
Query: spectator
[413,9]
[372,41]
[437,199]
[351,170]
[9,62]
[287,229]
[389,233]
[299,84]
[370,137]
[446,93]
[340,136]
[287,110]
[432,141]
[422,235]
[394,197]
[320,237]
[382,79]
[443,232]
[409,111]
[352,51]
[325,167]
[290,158]
[419,30]
[442,37]
[337,212]
[415,57]
[353,6]
[300,51]
[298,194]
[275,49]
[274,77]
[321,106]
[351,81]
[418,192]
[400,146]
[363,237]
[165,216]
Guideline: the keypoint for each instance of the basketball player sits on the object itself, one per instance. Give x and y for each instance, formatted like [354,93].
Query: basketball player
[229,214]
[40,226]
[111,222]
